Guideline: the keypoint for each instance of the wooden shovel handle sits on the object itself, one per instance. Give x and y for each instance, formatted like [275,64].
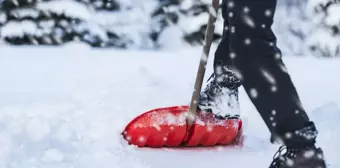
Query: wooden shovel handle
[213,10]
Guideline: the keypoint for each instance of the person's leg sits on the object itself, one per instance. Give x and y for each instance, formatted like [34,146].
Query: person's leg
[262,72]
[220,96]
[257,62]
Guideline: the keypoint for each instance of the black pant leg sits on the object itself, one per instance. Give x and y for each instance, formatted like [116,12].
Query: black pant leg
[222,52]
[257,61]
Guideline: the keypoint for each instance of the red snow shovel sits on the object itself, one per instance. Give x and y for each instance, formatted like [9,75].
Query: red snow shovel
[183,125]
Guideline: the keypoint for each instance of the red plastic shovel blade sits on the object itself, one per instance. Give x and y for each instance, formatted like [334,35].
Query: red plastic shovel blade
[158,127]
[167,127]
[209,131]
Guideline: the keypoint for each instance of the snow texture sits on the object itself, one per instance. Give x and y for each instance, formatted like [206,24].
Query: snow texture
[67,106]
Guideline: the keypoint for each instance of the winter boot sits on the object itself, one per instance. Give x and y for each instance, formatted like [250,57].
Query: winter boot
[303,157]
[220,95]
[299,150]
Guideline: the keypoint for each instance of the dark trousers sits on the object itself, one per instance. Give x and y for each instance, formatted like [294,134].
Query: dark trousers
[249,47]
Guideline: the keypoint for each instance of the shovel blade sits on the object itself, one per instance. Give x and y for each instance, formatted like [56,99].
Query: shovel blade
[167,127]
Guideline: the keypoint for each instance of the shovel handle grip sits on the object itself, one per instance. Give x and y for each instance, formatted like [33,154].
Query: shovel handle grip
[213,10]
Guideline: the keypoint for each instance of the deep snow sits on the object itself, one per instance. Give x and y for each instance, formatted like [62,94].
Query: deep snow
[66,107]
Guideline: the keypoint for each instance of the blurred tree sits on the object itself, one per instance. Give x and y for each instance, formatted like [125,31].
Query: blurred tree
[189,16]
[55,22]
[324,38]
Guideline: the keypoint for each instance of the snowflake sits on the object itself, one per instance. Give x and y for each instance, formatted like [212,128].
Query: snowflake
[210,128]
[309,154]
[231,4]
[232,55]
[288,135]
[226,28]
[247,41]
[274,124]
[273,112]
[232,29]
[238,74]
[263,26]
[297,111]
[141,139]
[278,56]
[249,21]
[269,77]
[231,14]
[253,93]
[218,70]
[290,162]
[271,118]
[283,68]
[274,89]
[320,156]
[268,12]
[246,9]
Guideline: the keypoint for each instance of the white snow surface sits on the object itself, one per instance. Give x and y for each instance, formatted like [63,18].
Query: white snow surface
[66,107]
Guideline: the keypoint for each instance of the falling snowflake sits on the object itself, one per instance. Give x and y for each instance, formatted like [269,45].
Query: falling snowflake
[274,124]
[247,41]
[231,4]
[165,139]
[218,70]
[274,89]
[238,73]
[253,93]
[245,9]
[231,14]
[309,154]
[232,29]
[268,12]
[283,68]
[278,56]
[297,111]
[320,156]
[232,55]
[141,139]
[249,21]
[226,28]
[288,135]
[289,162]
[270,78]
[271,118]
[210,128]
[204,57]
[273,112]
[263,26]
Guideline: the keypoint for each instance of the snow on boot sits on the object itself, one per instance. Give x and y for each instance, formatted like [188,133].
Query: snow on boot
[300,149]
[306,157]
[220,96]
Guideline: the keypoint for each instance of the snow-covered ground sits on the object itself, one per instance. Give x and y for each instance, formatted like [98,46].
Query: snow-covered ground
[66,107]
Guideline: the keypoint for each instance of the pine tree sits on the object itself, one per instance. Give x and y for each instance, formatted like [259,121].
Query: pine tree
[56,22]
[324,39]
[190,16]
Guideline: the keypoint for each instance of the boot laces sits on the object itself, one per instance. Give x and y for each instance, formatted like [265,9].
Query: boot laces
[280,152]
